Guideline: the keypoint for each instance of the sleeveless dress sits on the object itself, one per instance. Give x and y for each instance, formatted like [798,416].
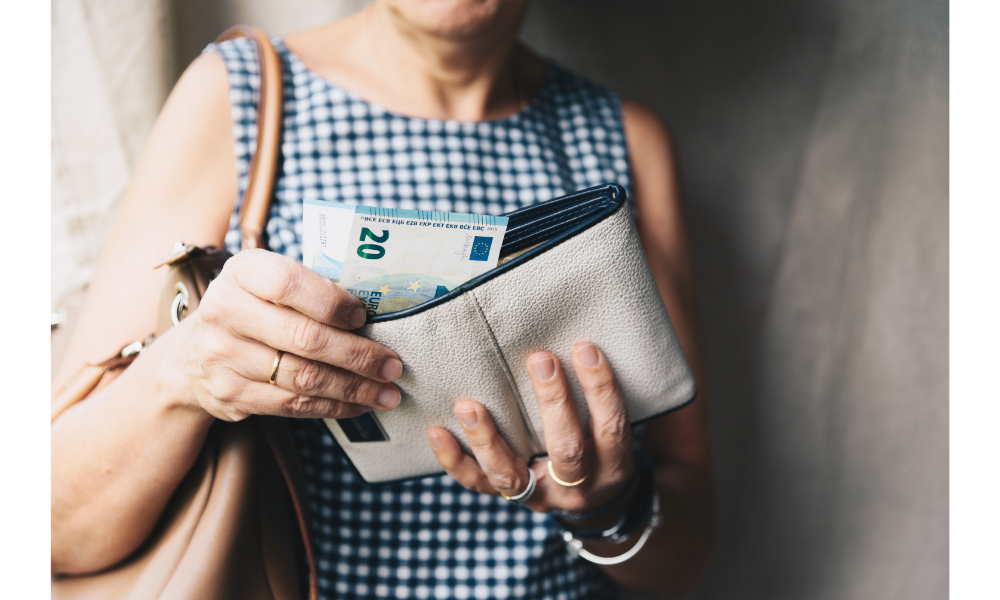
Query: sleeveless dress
[426,538]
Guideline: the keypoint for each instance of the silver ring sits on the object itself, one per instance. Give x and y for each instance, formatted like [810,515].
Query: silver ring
[528,491]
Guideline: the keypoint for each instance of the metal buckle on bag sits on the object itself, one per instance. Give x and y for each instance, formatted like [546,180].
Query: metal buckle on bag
[180,303]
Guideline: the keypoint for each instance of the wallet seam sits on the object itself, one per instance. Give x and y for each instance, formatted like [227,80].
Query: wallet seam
[511,382]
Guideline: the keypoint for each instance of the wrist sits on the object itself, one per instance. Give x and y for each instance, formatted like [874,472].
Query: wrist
[170,362]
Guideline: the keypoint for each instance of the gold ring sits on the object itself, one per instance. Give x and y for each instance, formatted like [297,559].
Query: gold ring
[566,483]
[274,369]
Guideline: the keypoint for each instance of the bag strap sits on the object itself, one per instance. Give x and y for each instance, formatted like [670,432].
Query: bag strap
[282,444]
[263,164]
[253,218]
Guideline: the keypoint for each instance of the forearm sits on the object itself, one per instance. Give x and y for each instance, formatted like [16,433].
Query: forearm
[117,458]
[676,554]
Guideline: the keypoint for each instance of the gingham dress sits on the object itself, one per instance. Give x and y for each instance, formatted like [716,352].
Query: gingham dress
[429,537]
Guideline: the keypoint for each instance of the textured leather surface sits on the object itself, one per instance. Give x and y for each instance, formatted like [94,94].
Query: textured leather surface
[596,286]
[447,355]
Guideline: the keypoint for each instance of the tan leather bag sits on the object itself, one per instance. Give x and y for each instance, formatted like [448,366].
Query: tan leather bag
[229,530]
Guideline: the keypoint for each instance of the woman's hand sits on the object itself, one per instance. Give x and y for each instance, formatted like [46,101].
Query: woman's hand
[262,303]
[604,457]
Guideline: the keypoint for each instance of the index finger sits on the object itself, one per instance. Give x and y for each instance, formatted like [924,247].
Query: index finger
[285,282]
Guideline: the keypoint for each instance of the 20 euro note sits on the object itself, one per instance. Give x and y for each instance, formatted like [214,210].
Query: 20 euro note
[399,258]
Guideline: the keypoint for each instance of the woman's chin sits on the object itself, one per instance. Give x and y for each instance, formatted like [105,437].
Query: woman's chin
[457,19]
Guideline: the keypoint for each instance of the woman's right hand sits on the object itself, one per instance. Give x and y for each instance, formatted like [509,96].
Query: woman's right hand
[264,302]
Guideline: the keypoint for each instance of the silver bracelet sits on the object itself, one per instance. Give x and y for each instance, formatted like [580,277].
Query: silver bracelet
[575,546]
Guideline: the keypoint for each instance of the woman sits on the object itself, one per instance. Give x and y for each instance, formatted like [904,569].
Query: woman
[429,104]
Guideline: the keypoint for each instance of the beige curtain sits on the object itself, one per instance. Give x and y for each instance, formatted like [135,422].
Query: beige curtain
[111,71]
[113,64]
[813,143]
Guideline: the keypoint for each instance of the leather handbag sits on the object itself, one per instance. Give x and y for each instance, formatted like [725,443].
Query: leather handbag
[571,269]
[238,520]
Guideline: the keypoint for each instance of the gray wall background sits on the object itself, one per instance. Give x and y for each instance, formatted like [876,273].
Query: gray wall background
[813,143]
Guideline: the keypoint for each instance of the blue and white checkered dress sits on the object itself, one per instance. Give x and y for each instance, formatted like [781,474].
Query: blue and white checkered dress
[430,537]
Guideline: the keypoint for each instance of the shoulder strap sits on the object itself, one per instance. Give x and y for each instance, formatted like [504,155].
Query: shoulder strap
[253,218]
[260,185]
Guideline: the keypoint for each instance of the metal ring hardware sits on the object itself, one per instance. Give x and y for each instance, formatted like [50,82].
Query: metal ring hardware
[180,303]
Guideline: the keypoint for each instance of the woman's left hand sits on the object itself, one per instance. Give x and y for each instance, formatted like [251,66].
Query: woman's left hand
[603,458]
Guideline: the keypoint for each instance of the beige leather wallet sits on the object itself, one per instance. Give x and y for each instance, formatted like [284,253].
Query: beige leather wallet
[572,269]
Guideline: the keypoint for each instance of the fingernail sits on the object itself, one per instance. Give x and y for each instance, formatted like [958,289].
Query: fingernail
[468,418]
[391,369]
[364,410]
[388,398]
[435,441]
[357,317]
[589,355]
[545,368]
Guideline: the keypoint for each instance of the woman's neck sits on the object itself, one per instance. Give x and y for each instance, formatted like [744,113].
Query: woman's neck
[377,54]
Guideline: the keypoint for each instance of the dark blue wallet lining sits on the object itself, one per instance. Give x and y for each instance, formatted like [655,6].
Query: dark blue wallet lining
[551,222]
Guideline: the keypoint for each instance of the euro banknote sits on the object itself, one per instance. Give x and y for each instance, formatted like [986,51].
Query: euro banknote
[394,259]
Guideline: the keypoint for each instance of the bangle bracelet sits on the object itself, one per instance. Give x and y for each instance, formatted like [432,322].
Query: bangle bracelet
[575,546]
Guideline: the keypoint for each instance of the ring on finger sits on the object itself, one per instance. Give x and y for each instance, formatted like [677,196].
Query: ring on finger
[566,483]
[274,369]
[526,494]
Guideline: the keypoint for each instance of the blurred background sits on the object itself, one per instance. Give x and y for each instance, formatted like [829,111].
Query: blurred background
[813,140]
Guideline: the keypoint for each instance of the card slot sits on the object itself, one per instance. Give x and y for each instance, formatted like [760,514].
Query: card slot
[551,209]
[543,230]
[562,216]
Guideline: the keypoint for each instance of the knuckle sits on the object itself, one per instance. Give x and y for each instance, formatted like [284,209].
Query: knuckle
[339,410]
[449,461]
[483,443]
[554,397]
[300,404]
[222,389]
[286,282]
[616,427]
[214,349]
[605,388]
[504,482]
[352,387]
[210,310]
[310,377]
[363,356]
[308,337]
[568,451]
